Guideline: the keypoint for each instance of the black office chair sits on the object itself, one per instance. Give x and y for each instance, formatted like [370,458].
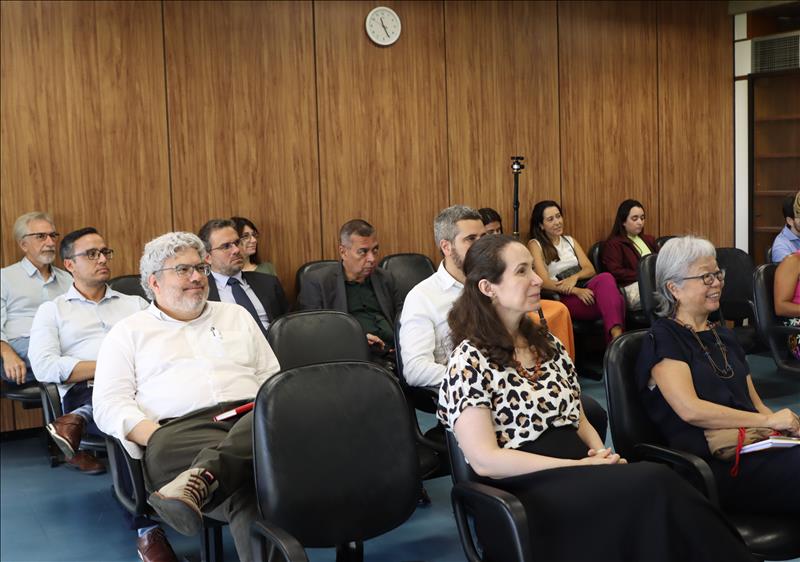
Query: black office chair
[128,285]
[661,240]
[736,302]
[647,286]
[497,516]
[637,438]
[770,327]
[595,256]
[52,409]
[431,446]
[334,458]
[324,336]
[308,268]
[317,336]
[768,254]
[128,489]
[407,270]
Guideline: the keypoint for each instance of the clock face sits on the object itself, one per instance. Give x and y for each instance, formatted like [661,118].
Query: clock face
[383,26]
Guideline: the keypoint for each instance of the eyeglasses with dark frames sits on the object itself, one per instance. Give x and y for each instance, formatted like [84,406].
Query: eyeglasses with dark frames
[93,254]
[40,236]
[708,278]
[228,245]
[184,270]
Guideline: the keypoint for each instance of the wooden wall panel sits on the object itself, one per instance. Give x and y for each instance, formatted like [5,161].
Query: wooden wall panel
[83,121]
[242,117]
[609,125]
[502,100]
[695,89]
[382,128]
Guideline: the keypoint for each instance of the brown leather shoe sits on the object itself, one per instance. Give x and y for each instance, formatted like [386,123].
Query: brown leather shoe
[67,431]
[154,547]
[86,463]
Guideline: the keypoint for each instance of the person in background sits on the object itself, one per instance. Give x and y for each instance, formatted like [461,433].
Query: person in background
[564,268]
[626,244]
[582,501]
[693,377]
[491,220]
[787,297]
[23,287]
[788,239]
[249,235]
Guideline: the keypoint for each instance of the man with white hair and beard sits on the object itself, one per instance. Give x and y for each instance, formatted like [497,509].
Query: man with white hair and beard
[164,374]
[23,287]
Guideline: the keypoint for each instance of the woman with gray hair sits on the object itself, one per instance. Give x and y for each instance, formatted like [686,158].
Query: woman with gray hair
[695,384]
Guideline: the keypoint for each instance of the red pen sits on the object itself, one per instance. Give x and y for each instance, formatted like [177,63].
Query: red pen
[243,409]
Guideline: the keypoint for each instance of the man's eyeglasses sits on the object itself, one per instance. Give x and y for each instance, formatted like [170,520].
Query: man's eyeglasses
[248,235]
[228,245]
[93,254]
[184,270]
[41,236]
[708,278]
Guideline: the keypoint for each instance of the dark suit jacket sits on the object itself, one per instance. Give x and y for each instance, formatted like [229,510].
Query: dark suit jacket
[267,288]
[323,289]
[621,259]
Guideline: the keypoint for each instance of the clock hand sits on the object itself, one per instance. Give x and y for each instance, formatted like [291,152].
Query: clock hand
[384,28]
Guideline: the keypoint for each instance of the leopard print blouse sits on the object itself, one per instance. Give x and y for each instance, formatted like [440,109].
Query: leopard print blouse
[521,410]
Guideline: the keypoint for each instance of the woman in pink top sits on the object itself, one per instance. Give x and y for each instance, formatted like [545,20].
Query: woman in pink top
[787,296]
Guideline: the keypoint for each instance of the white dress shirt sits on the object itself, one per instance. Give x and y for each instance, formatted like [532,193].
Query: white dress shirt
[226,294]
[70,329]
[424,334]
[22,290]
[151,366]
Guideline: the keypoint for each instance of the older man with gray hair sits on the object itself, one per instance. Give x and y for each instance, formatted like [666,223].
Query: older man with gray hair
[23,287]
[165,373]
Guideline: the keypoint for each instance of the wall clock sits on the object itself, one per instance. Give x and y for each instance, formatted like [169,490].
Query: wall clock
[383,26]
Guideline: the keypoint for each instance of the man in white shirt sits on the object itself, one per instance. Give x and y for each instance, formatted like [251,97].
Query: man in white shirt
[23,287]
[164,373]
[424,333]
[260,294]
[65,340]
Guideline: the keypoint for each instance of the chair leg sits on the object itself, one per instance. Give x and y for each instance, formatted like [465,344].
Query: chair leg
[211,545]
[350,552]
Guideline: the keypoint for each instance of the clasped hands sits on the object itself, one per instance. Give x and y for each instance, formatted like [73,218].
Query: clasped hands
[602,456]
[568,287]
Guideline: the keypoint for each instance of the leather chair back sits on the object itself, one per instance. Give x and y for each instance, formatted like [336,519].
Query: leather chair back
[408,270]
[595,256]
[626,415]
[317,336]
[770,326]
[647,286]
[461,470]
[661,240]
[128,285]
[737,294]
[334,454]
[308,268]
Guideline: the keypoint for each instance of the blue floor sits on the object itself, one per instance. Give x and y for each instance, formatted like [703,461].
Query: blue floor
[55,514]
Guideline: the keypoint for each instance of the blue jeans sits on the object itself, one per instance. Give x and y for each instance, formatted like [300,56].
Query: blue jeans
[20,346]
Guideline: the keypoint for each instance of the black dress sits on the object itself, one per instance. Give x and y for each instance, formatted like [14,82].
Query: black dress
[768,481]
[636,512]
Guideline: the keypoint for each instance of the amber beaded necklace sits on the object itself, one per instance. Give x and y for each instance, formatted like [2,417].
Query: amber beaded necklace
[721,373]
[525,372]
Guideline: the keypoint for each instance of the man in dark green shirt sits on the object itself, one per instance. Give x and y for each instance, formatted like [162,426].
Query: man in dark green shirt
[357,286]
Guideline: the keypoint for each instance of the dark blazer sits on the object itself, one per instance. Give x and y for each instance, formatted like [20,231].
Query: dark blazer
[267,288]
[621,259]
[323,289]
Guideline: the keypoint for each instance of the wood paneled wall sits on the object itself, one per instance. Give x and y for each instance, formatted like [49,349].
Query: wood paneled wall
[502,100]
[84,132]
[141,117]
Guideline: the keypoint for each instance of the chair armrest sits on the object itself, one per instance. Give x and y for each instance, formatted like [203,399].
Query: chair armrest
[694,465]
[486,503]
[266,538]
[135,499]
